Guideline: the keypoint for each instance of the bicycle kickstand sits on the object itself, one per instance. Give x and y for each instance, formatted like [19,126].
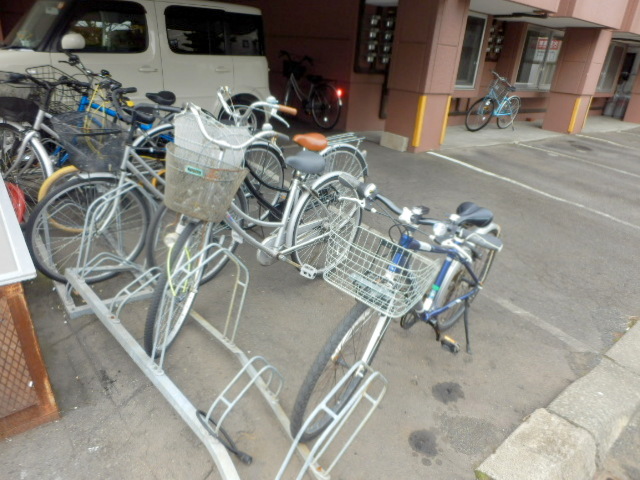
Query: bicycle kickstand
[466,325]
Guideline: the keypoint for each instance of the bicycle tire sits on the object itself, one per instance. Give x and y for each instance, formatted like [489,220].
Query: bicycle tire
[458,282]
[512,107]
[164,222]
[346,345]
[345,158]
[316,215]
[28,177]
[53,249]
[174,293]
[479,115]
[325,106]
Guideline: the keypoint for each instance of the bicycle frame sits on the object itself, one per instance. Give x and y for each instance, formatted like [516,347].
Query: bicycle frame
[284,235]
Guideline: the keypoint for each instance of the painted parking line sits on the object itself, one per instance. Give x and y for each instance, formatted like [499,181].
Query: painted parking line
[579,159]
[604,140]
[573,343]
[535,190]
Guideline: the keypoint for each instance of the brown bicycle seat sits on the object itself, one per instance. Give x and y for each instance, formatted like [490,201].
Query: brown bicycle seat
[311,141]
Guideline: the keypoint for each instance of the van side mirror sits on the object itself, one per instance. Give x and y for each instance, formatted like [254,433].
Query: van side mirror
[72,41]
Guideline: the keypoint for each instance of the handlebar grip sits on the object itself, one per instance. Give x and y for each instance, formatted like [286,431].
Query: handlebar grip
[485,240]
[127,90]
[288,110]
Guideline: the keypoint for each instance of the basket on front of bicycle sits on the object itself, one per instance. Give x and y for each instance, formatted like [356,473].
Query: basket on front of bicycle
[378,272]
[93,143]
[499,88]
[203,178]
[292,67]
[18,98]
[57,98]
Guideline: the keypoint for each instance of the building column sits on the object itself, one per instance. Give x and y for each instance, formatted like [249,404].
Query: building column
[581,59]
[424,66]
[632,113]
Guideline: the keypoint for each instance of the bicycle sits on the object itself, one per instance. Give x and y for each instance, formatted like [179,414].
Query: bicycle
[32,157]
[389,279]
[497,103]
[322,101]
[299,238]
[107,154]
[264,187]
[30,154]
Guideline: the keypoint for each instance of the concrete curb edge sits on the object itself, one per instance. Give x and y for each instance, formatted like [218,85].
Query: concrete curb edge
[570,438]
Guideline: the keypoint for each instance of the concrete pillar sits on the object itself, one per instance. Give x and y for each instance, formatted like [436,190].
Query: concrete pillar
[426,53]
[577,72]
[632,113]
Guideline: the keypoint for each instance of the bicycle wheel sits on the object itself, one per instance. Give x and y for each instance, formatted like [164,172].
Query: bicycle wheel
[353,340]
[54,231]
[164,223]
[266,174]
[458,282]
[479,114]
[26,172]
[345,158]
[153,142]
[325,106]
[508,112]
[175,291]
[318,213]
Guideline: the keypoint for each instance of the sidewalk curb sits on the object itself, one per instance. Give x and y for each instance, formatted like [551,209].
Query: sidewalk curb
[570,439]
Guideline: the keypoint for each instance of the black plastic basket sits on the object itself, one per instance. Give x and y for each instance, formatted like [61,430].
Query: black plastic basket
[291,66]
[18,98]
[93,142]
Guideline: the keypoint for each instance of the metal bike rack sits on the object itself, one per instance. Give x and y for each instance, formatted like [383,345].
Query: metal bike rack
[255,372]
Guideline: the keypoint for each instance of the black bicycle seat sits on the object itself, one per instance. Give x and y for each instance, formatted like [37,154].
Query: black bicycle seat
[163,97]
[472,214]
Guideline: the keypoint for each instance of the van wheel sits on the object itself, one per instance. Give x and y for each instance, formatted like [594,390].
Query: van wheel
[240,103]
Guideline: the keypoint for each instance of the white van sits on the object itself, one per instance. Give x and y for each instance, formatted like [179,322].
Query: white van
[190,47]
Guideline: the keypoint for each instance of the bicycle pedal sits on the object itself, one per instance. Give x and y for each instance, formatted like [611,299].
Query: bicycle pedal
[308,271]
[450,344]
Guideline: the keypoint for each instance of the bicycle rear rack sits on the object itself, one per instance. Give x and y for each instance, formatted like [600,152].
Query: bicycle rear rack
[255,372]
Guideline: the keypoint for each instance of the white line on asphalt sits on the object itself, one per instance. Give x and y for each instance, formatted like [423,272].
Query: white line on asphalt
[568,155]
[604,140]
[535,190]
[573,343]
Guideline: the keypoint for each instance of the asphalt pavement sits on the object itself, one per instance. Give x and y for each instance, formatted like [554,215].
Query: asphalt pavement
[552,333]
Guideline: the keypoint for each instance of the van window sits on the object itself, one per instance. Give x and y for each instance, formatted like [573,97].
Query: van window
[111,27]
[206,31]
[245,34]
[36,25]
[197,31]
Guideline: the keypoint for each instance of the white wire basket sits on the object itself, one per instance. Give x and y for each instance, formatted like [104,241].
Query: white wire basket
[202,177]
[198,185]
[190,135]
[363,267]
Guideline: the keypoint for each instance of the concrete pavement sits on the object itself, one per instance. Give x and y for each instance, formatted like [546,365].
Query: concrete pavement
[443,416]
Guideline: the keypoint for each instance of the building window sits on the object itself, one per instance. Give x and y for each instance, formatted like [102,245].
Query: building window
[111,27]
[539,58]
[471,50]
[610,68]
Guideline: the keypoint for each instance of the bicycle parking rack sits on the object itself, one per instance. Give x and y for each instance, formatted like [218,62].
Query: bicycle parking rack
[255,372]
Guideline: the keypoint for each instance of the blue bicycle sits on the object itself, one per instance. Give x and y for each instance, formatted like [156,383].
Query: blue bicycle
[498,102]
[391,277]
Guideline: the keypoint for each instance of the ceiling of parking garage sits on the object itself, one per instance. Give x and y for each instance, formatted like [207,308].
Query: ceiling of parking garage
[506,7]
